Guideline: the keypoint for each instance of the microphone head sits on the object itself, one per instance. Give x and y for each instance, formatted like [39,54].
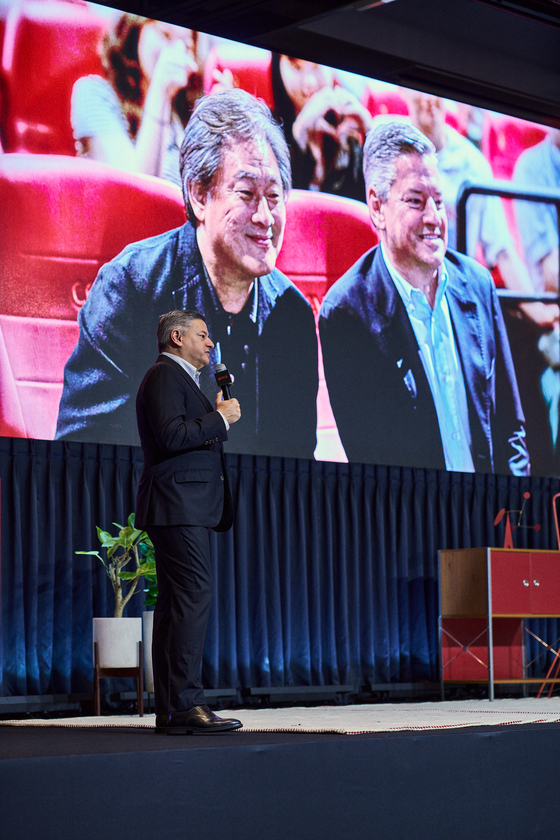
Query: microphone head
[222,376]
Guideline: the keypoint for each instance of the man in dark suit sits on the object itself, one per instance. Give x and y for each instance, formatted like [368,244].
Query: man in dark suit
[182,493]
[416,355]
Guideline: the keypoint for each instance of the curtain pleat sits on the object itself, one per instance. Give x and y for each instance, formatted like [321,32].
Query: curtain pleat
[329,576]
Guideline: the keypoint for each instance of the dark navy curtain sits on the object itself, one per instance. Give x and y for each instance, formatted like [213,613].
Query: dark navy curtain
[329,575]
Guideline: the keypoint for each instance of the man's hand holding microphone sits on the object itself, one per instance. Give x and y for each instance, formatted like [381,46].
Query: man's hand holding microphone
[225,404]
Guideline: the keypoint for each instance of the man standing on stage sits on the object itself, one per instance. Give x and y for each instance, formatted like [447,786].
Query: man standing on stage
[417,359]
[182,493]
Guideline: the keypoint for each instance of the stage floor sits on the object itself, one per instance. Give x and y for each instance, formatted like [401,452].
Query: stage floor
[432,771]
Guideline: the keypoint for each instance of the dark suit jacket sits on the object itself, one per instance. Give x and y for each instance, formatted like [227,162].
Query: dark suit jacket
[378,389]
[118,325]
[184,480]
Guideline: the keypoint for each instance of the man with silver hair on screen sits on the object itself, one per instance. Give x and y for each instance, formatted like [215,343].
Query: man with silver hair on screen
[235,170]
[416,355]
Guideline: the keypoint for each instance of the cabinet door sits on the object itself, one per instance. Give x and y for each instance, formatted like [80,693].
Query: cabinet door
[511,582]
[545,583]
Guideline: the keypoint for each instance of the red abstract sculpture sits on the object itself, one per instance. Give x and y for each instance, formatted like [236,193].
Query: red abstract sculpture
[508,538]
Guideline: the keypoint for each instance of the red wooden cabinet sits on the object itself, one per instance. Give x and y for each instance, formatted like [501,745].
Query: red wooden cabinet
[485,596]
[525,582]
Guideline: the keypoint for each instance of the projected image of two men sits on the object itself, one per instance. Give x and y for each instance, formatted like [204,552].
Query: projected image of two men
[366,307]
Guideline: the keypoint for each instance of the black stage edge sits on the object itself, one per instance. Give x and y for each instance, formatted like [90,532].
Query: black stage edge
[70,784]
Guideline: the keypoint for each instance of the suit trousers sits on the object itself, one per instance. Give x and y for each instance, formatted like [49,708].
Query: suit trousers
[185,590]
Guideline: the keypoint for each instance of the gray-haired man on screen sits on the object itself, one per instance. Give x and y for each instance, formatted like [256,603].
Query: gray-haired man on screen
[417,360]
[235,169]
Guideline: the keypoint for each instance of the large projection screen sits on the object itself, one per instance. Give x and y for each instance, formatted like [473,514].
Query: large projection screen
[93,106]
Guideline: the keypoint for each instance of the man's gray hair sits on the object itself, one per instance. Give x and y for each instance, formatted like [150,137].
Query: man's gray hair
[177,319]
[218,121]
[384,144]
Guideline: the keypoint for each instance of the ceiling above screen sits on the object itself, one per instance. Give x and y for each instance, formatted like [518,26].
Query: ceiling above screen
[545,10]
[244,17]
[264,15]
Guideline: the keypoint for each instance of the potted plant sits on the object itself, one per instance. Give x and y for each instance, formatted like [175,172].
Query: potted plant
[117,637]
[129,544]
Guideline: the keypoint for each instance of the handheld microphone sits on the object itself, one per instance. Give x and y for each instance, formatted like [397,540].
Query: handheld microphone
[224,380]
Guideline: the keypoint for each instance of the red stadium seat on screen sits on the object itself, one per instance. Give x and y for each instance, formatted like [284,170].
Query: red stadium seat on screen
[325,235]
[250,67]
[504,140]
[61,218]
[384,102]
[47,47]
[3,13]
[455,122]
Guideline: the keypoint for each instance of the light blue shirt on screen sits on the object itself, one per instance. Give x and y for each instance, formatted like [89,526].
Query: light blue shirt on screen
[438,351]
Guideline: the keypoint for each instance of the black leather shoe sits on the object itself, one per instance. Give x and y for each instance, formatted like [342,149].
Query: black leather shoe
[161,724]
[200,721]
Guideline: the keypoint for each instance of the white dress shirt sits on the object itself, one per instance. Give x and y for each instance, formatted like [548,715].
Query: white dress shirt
[193,373]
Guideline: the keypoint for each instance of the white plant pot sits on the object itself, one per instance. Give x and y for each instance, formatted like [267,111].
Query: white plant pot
[147,633]
[117,640]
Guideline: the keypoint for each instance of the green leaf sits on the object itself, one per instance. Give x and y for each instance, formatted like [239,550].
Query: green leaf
[129,575]
[149,566]
[143,570]
[103,535]
[146,551]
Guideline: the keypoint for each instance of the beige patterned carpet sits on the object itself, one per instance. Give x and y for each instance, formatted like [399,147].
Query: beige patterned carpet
[354,720]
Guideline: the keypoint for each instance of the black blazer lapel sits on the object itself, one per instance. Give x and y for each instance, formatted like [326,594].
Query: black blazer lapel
[189,381]
[476,360]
